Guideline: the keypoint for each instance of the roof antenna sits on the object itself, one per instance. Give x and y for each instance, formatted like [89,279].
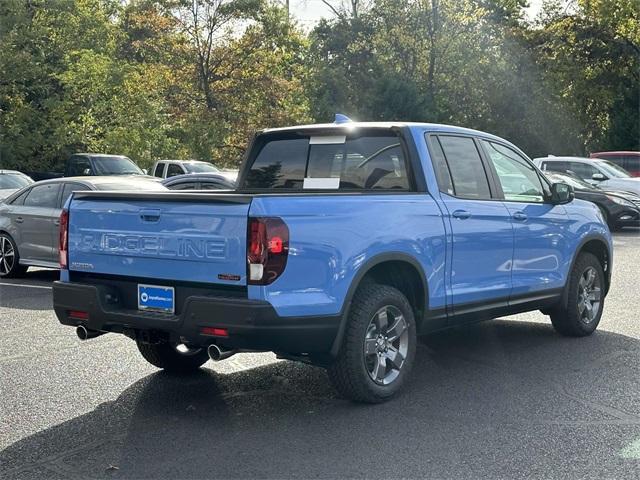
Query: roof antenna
[340,118]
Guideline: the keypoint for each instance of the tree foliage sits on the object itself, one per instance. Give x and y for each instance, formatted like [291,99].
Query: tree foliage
[195,78]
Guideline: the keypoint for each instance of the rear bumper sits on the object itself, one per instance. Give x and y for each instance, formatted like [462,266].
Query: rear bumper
[251,324]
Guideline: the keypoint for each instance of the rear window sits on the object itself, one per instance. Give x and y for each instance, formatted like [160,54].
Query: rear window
[363,161]
[14,180]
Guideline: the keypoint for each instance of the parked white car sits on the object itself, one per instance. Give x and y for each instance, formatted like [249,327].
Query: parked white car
[602,173]
[171,168]
[11,181]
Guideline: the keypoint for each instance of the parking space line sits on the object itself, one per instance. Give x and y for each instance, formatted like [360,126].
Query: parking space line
[24,285]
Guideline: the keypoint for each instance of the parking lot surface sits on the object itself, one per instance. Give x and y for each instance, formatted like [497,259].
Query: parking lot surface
[502,399]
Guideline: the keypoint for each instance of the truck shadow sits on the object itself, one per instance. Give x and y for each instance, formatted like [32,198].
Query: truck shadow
[495,399]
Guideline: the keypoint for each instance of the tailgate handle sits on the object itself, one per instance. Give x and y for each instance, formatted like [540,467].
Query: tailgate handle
[150,215]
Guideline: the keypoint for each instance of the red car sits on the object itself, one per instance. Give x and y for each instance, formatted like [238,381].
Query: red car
[630,161]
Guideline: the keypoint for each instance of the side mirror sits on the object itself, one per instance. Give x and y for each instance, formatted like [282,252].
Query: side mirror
[561,193]
[86,171]
[145,171]
[598,177]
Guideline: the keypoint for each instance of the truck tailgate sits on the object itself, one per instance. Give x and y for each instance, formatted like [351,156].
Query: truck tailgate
[195,237]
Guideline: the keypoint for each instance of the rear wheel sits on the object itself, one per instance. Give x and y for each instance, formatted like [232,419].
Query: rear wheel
[176,358]
[9,258]
[585,301]
[379,345]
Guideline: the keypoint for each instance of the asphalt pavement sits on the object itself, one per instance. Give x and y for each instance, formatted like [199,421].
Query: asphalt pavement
[507,398]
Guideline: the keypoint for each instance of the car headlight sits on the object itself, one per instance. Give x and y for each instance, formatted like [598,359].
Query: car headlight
[620,201]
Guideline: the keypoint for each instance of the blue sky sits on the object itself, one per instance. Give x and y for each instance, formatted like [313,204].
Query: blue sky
[308,12]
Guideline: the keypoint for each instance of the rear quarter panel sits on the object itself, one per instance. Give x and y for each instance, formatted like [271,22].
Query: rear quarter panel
[332,237]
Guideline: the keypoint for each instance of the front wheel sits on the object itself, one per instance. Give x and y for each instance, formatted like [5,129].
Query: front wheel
[173,357]
[379,346]
[585,301]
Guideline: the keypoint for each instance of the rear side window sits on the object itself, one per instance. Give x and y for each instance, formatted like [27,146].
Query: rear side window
[467,171]
[174,169]
[19,200]
[184,186]
[555,166]
[369,161]
[159,170]
[443,176]
[44,196]
[69,188]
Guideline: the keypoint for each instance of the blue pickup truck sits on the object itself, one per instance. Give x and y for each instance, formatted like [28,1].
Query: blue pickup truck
[342,243]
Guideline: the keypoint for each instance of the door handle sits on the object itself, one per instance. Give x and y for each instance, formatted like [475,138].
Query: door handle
[520,216]
[461,214]
[56,223]
[150,215]
[19,219]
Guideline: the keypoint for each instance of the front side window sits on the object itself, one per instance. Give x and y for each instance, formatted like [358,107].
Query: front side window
[467,172]
[215,186]
[79,166]
[44,196]
[365,161]
[519,180]
[583,170]
[200,167]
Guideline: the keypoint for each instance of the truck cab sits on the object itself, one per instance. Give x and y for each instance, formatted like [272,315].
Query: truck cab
[341,244]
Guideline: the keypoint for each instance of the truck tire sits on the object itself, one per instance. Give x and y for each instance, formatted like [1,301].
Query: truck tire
[379,345]
[10,258]
[169,357]
[585,301]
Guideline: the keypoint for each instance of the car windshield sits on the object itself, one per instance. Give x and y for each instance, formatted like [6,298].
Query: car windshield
[115,166]
[14,180]
[200,167]
[613,170]
[576,183]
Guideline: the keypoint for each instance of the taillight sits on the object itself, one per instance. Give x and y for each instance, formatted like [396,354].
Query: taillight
[267,249]
[64,239]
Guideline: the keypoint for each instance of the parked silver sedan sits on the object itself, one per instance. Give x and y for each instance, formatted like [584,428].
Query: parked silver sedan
[29,219]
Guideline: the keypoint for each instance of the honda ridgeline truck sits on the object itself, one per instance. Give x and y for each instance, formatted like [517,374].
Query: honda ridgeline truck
[342,243]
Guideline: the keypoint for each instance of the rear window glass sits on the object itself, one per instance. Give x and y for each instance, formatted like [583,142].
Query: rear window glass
[371,161]
[13,180]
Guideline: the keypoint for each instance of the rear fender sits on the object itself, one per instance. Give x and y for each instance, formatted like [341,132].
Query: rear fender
[357,280]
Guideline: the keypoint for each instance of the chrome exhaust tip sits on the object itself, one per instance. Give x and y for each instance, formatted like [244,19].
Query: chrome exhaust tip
[84,334]
[216,353]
